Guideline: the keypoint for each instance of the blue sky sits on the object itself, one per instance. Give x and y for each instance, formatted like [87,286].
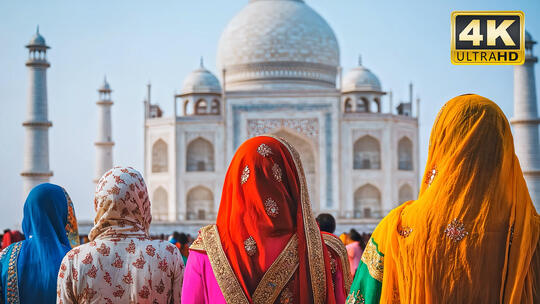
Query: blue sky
[134,42]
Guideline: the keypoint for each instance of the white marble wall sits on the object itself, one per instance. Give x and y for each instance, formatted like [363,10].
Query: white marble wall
[36,147]
[104,143]
[525,124]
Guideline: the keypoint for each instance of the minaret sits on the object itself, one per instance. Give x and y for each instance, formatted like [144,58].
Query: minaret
[104,144]
[36,147]
[525,121]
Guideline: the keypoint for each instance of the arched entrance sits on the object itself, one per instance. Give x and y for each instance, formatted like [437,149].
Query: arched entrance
[310,163]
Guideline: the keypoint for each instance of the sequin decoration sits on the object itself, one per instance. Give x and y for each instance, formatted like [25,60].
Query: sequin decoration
[12,288]
[333,265]
[276,171]
[286,297]
[271,207]
[430,175]
[511,235]
[405,231]
[356,298]
[456,230]
[251,246]
[72,230]
[264,150]
[245,175]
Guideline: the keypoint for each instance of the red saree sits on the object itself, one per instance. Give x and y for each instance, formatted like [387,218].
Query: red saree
[266,246]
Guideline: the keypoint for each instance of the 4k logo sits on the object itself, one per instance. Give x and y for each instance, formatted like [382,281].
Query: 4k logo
[488,37]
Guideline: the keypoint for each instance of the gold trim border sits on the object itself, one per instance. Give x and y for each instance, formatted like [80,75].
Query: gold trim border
[337,245]
[313,234]
[227,281]
[279,273]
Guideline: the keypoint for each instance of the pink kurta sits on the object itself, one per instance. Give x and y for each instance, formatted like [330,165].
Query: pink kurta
[355,254]
[200,284]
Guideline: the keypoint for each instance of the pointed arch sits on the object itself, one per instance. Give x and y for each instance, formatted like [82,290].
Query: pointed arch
[160,156]
[309,158]
[362,105]
[200,204]
[367,153]
[200,155]
[367,202]
[405,193]
[348,106]
[160,204]
[201,107]
[405,155]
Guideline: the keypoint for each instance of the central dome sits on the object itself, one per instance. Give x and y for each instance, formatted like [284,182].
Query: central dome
[278,44]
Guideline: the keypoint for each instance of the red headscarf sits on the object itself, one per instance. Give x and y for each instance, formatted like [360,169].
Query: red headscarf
[265,200]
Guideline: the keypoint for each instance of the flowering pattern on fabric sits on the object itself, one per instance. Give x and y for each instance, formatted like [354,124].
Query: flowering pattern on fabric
[121,264]
[264,150]
[405,231]
[271,207]
[245,175]
[72,229]
[251,246]
[12,288]
[456,230]
[122,204]
[136,277]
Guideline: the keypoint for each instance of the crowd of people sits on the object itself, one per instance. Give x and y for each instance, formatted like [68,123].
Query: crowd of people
[471,236]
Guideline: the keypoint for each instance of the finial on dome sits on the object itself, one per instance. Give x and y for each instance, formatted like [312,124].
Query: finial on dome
[37,29]
[359,60]
[202,62]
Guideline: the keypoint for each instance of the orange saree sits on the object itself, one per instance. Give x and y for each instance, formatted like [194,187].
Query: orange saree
[472,236]
[266,246]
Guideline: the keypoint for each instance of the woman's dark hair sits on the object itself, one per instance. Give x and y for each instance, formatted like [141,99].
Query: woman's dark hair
[182,238]
[357,237]
[326,222]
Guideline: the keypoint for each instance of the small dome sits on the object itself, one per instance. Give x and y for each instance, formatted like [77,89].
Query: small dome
[37,40]
[360,79]
[201,81]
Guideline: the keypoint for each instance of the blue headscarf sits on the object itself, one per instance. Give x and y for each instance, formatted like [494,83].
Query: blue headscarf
[50,228]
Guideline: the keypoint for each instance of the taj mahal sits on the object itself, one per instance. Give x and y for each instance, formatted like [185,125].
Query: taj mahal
[278,72]
[279,64]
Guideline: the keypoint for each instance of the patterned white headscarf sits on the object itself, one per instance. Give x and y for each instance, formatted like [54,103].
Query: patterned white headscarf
[122,205]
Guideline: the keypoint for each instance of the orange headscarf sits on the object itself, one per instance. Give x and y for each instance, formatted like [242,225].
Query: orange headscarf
[264,205]
[473,233]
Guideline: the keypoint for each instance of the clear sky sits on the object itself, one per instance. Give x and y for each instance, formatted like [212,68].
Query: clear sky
[134,42]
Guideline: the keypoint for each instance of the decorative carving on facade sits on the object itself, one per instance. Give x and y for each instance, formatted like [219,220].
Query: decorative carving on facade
[308,127]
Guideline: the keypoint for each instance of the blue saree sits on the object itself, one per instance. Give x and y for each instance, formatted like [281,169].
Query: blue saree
[28,269]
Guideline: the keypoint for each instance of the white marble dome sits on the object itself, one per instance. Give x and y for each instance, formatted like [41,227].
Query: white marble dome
[278,41]
[360,79]
[37,40]
[201,80]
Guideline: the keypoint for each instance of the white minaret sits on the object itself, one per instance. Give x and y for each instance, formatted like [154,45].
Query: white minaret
[526,121]
[104,144]
[36,146]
